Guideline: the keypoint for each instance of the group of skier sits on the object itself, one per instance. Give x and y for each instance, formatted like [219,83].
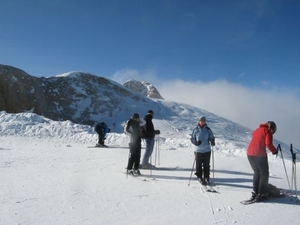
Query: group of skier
[140,128]
[203,139]
[262,138]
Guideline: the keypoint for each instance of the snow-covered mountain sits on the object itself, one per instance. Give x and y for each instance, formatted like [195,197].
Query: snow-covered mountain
[85,98]
[76,96]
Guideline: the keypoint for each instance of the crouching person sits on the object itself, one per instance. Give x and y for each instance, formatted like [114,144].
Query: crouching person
[101,129]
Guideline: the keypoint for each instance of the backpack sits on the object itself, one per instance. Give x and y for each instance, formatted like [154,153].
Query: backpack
[125,127]
[98,129]
[274,192]
[101,128]
[143,132]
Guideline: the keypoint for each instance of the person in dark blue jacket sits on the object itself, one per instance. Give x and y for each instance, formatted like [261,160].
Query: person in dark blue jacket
[149,138]
[102,130]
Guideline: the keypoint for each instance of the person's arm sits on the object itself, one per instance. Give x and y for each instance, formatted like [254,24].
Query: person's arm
[193,138]
[269,143]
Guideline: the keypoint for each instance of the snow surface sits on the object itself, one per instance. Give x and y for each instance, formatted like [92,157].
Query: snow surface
[50,176]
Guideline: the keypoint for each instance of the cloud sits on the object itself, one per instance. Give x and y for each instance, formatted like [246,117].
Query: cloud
[245,105]
[121,76]
[242,74]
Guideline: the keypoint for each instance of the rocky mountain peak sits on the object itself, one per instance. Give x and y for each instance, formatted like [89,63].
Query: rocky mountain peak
[144,88]
[76,96]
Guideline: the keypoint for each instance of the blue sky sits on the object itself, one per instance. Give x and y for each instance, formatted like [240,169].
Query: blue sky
[247,42]
[243,51]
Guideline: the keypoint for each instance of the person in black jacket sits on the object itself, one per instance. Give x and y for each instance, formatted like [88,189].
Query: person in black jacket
[133,128]
[149,138]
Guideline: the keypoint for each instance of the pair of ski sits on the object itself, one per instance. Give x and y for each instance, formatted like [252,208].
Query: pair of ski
[104,146]
[160,168]
[208,188]
[248,201]
[138,176]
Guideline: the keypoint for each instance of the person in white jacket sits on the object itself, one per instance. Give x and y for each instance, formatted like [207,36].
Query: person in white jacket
[203,138]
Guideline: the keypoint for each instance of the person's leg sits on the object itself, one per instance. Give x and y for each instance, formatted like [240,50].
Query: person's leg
[148,150]
[131,157]
[256,176]
[137,157]
[102,139]
[264,175]
[151,146]
[99,138]
[206,165]
[199,162]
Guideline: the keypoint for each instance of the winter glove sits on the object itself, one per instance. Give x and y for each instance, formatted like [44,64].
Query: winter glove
[157,132]
[212,142]
[195,142]
[275,153]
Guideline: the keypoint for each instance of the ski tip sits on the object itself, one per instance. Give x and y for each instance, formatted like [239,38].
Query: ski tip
[247,202]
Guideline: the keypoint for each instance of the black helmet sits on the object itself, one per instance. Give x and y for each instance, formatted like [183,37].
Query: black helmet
[272,126]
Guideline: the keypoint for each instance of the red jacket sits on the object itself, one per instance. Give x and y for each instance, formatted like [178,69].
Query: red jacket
[261,138]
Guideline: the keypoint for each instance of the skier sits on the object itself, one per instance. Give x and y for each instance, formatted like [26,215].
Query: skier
[262,137]
[149,138]
[102,130]
[203,138]
[133,128]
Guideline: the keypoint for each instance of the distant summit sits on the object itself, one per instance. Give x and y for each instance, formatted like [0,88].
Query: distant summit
[143,88]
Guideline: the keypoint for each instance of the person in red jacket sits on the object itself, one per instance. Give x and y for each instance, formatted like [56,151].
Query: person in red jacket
[262,138]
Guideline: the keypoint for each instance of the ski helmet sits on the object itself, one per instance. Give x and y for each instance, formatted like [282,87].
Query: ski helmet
[272,126]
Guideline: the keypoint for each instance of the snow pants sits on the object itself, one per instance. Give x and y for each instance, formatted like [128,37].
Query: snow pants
[148,150]
[260,167]
[203,165]
[134,156]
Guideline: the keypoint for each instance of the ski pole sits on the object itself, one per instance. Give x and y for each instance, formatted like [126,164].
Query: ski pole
[157,153]
[151,165]
[294,170]
[295,179]
[287,177]
[192,171]
[155,150]
[128,163]
[213,164]
[158,150]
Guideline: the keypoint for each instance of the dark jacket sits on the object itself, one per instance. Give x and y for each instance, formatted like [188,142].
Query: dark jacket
[102,129]
[133,128]
[150,132]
